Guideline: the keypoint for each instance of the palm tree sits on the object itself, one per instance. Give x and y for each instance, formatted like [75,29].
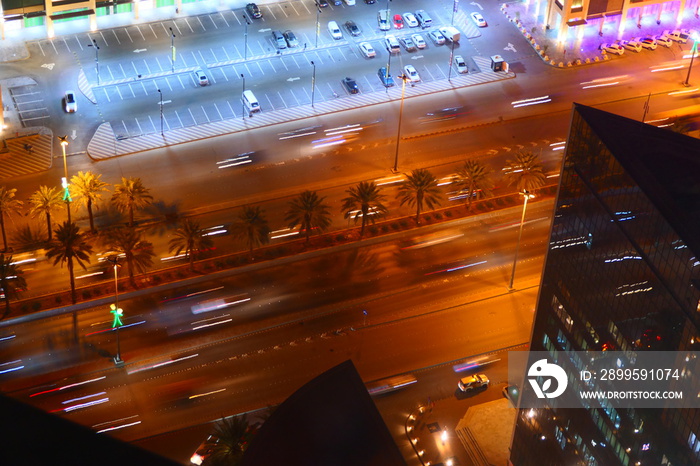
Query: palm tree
[44,202]
[526,172]
[364,201]
[131,195]
[420,188]
[190,239]
[8,205]
[88,188]
[128,243]
[229,442]
[69,245]
[11,281]
[475,179]
[252,226]
[309,211]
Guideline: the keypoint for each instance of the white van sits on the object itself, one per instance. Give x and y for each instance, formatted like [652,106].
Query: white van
[250,102]
[383,20]
[334,30]
[424,19]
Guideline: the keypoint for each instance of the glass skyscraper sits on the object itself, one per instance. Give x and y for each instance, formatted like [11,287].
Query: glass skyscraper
[622,273]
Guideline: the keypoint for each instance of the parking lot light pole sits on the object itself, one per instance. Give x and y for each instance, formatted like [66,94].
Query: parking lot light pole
[116,310]
[313,84]
[693,50]
[172,50]
[403,79]
[97,59]
[161,112]
[63,140]
[245,46]
[242,102]
[452,57]
[527,196]
[318,24]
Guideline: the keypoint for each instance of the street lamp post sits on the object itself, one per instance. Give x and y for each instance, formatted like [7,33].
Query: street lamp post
[452,55]
[242,102]
[403,79]
[64,182]
[116,310]
[245,46]
[97,59]
[160,93]
[318,25]
[693,50]
[313,84]
[172,50]
[526,194]
[454,10]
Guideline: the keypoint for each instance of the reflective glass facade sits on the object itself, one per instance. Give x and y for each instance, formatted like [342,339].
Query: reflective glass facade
[621,273]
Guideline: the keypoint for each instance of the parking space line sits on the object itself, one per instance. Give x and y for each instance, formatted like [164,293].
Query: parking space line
[160,67]
[187,22]
[282,99]
[224,18]
[41,49]
[199,18]
[179,119]
[147,67]
[285,65]
[133,65]
[121,97]
[306,94]
[205,114]
[238,20]
[139,125]
[123,71]
[270,102]
[224,75]
[269,62]
[221,117]
[204,62]
[225,53]
[318,58]
[269,9]
[140,32]
[192,116]
[295,98]
[126,130]
[231,107]
[260,67]
[150,120]
[78,41]
[170,87]
[427,70]
[179,32]
[66,44]
[114,32]
[154,32]
[262,48]
[133,94]
[143,86]
[128,35]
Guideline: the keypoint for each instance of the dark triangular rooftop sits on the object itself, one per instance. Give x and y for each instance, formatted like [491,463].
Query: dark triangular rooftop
[665,165]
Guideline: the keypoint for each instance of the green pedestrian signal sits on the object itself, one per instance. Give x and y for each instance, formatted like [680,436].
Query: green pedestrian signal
[118,313]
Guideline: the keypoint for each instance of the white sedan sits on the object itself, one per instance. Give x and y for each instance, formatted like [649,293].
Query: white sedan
[367,50]
[612,48]
[478,19]
[461,64]
[419,41]
[411,73]
[410,20]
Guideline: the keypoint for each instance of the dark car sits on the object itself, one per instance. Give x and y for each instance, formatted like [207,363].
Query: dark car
[322,3]
[352,28]
[351,85]
[369,2]
[253,10]
[385,78]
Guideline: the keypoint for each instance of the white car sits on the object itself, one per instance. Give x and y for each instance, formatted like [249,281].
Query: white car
[410,20]
[478,20]
[367,50]
[648,42]
[69,103]
[437,37]
[419,41]
[411,73]
[612,48]
[461,64]
[663,40]
[631,45]
[334,30]
[201,78]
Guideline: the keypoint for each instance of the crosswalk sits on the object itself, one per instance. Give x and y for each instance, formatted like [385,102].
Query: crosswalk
[104,144]
[26,153]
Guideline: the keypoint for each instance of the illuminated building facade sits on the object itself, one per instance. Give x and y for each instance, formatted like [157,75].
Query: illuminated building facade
[622,273]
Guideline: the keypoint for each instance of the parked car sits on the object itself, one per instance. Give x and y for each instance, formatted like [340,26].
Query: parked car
[450,33]
[437,37]
[69,103]
[407,44]
[473,382]
[291,39]
[322,3]
[253,10]
[419,41]
[478,19]
[461,64]
[350,2]
[201,78]
[334,30]
[615,49]
[678,35]
[398,22]
[631,45]
[663,40]
[279,40]
[410,19]
[392,45]
[369,2]
[352,28]
[385,78]
[648,43]
[350,85]
[383,20]
[411,73]
[367,50]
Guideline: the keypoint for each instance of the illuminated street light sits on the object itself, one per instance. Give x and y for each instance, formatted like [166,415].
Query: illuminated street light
[313,84]
[172,50]
[116,311]
[97,59]
[64,182]
[693,50]
[403,79]
[527,196]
